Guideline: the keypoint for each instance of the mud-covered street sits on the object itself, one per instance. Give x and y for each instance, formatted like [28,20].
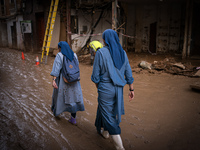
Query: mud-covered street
[164,115]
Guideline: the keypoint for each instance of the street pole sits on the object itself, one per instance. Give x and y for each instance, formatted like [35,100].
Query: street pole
[114,15]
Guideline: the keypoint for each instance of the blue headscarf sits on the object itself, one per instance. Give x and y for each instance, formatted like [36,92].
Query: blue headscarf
[117,53]
[66,50]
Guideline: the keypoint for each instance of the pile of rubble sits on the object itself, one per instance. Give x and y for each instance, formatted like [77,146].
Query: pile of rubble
[168,65]
[84,59]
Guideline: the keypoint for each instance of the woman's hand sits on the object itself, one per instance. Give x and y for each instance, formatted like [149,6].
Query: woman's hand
[54,84]
[131,95]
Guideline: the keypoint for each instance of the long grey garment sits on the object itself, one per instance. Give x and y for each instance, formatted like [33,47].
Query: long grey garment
[68,97]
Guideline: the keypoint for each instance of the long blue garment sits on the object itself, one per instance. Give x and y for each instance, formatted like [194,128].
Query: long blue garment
[68,97]
[110,82]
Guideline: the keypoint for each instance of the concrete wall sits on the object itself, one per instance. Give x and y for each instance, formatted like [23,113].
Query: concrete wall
[175,28]
[19,39]
[9,24]
[149,17]
[168,19]
[31,39]
[163,28]
[139,29]
[56,33]
[85,20]
[63,36]
[20,44]
[169,23]
[3,34]
[130,26]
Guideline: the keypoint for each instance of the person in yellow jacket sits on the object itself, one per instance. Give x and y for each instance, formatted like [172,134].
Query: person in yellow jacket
[94,46]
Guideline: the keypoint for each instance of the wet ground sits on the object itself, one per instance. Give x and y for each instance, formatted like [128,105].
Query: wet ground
[165,114]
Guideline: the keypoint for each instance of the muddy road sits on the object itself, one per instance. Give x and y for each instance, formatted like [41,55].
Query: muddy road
[164,115]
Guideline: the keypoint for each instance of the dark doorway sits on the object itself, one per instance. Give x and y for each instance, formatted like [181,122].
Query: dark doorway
[40,26]
[195,45]
[14,35]
[152,40]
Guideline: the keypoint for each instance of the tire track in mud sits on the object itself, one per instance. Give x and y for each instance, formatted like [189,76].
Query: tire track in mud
[19,119]
[26,115]
[23,105]
[31,117]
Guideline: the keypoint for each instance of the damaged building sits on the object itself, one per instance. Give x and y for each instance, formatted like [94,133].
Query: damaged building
[150,26]
[10,30]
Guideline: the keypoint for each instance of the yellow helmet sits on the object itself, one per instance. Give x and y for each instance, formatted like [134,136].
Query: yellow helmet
[95,45]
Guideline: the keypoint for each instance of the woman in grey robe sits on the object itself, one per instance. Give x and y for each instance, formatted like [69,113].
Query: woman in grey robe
[66,96]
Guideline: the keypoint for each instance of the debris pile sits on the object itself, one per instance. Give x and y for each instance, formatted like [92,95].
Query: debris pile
[168,65]
[84,59]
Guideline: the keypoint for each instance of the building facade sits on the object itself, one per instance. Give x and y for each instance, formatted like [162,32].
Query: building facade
[152,26]
[10,17]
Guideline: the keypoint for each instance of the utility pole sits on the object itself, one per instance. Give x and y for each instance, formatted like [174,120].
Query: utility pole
[187,37]
[114,15]
[68,14]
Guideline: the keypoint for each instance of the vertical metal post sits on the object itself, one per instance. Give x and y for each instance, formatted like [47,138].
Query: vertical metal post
[68,14]
[186,31]
[114,15]
[46,59]
[190,29]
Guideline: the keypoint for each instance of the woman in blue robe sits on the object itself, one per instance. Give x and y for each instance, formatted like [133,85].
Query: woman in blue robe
[66,96]
[111,72]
